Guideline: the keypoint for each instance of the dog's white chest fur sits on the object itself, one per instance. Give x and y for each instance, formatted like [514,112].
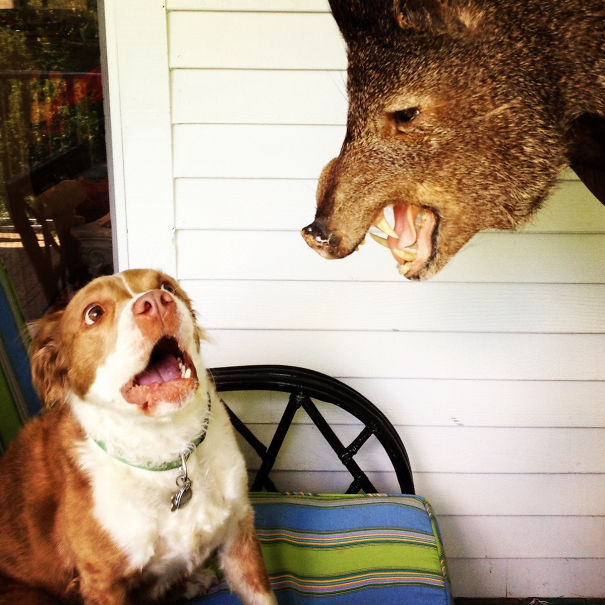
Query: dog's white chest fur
[134,505]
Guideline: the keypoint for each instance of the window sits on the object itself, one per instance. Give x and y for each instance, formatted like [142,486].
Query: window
[55,228]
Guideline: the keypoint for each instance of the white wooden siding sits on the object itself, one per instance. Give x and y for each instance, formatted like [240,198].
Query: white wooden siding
[255,40]
[491,371]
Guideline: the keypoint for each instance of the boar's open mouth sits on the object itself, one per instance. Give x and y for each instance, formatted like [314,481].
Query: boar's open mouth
[409,237]
[169,376]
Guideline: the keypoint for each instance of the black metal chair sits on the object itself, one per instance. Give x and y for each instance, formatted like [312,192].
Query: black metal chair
[334,547]
[304,386]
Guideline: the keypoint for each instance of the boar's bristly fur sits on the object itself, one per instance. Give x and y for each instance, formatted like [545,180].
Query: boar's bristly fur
[462,113]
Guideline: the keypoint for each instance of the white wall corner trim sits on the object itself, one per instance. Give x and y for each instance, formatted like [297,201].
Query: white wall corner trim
[139,132]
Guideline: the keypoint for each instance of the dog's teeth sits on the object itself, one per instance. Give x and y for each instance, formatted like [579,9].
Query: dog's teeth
[185,371]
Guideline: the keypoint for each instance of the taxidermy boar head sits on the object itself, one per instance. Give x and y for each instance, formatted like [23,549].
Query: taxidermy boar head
[461,115]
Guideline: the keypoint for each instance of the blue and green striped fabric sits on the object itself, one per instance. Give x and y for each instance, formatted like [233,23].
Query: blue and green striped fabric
[18,398]
[348,549]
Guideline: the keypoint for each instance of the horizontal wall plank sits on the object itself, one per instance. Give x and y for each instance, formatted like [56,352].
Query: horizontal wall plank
[488,257]
[255,40]
[254,151]
[416,355]
[508,494]
[523,537]
[538,258]
[449,450]
[466,494]
[287,204]
[571,207]
[518,578]
[403,306]
[242,96]
[259,204]
[567,174]
[515,450]
[250,5]
[454,403]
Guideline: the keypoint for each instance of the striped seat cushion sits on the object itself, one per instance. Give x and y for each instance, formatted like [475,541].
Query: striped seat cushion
[18,398]
[348,549]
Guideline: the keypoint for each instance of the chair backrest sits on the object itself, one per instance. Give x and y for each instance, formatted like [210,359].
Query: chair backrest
[303,386]
[18,398]
[346,549]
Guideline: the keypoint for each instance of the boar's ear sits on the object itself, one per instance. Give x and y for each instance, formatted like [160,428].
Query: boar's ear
[49,369]
[385,18]
[454,17]
[355,17]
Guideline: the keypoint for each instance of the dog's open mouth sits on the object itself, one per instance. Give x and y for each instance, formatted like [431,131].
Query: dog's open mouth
[168,377]
[409,235]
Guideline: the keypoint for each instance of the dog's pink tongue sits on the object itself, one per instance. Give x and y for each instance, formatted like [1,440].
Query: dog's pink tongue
[164,370]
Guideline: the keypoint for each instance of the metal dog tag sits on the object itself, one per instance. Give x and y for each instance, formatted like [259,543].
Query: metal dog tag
[183,495]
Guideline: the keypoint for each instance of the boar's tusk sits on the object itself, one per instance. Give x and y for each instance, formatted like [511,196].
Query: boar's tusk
[404,254]
[381,240]
[382,224]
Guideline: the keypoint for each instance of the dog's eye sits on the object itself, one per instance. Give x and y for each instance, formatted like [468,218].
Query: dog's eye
[93,314]
[403,117]
[166,285]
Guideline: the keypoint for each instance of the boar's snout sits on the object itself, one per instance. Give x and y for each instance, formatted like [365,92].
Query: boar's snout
[323,240]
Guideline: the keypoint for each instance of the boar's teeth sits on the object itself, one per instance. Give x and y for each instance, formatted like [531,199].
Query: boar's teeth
[421,219]
[381,240]
[404,268]
[404,254]
[187,373]
[382,224]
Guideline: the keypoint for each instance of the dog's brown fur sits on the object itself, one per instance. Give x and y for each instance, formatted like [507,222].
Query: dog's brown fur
[122,363]
[509,93]
[243,558]
[37,514]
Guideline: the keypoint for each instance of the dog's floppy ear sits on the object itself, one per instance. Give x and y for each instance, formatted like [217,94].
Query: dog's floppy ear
[49,370]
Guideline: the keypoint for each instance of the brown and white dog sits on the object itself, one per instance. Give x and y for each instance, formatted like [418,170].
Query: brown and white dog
[132,477]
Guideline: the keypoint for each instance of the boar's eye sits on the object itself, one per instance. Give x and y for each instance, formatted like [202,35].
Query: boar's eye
[403,117]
